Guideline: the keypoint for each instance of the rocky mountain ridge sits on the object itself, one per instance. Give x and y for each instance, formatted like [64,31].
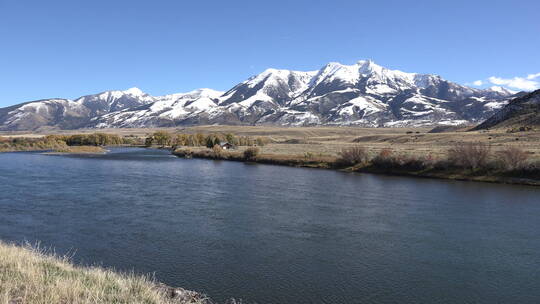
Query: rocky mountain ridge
[523,111]
[363,94]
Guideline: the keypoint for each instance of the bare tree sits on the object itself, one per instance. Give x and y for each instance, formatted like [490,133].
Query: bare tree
[353,155]
[513,158]
[217,151]
[469,155]
[251,153]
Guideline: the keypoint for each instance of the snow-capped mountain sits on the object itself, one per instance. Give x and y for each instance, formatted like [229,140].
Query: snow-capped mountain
[368,94]
[69,114]
[364,94]
[190,108]
[521,112]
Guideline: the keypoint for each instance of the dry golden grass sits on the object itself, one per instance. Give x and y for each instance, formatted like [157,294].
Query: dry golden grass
[30,276]
[329,141]
[79,150]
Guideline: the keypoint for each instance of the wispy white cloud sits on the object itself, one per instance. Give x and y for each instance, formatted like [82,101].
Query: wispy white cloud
[521,83]
[478,83]
[533,76]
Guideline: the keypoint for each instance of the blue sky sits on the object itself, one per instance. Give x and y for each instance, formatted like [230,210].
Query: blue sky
[61,48]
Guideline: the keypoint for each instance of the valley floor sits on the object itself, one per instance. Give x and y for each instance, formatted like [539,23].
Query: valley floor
[305,145]
[320,147]
[329,141]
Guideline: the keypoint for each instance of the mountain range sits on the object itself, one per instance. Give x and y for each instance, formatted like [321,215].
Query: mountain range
[363,94]
[521,111]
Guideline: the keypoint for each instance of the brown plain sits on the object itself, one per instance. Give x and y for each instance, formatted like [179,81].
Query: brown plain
[329,140]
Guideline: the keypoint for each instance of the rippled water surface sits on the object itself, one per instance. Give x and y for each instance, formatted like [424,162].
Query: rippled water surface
[271,234]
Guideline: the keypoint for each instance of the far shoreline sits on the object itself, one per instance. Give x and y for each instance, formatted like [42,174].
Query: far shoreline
[413,152]
[332,164]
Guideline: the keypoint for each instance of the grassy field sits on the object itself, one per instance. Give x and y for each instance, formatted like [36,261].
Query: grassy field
[328,141]
[413,152]
[30,276]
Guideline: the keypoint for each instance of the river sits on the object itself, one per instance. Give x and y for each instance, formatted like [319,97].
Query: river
[271,234]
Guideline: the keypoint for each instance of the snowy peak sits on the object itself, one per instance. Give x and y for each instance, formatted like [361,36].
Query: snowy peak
[501,90]
[111,101]
[270,78]
[363,93]
[117,94]
[70,114]
[199,93]
[365,76]
[269,89]
[369,67]
[205,92]
[337,71]
[165,111]
[134,91]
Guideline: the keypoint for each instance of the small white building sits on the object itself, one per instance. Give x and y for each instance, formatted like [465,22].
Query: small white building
[226,145]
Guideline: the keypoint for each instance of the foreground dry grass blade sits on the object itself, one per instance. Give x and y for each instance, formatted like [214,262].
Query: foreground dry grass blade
[29,275]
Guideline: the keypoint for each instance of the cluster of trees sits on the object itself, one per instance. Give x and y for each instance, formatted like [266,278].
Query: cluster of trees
[27,144]
[163,138]
[480,155]
[51,142]
[249,154]
[95,139]
[471,155]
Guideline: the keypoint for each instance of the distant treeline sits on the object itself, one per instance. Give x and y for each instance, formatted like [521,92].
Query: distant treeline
[94,139]
[55,142]
[164,138]
[30,144]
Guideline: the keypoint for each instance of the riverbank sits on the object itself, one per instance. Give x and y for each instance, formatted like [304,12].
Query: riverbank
[31,276]
[398,165]
[78,150]
[455,174]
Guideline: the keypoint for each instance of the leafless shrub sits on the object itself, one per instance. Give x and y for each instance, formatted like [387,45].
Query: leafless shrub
[415,163]
[186,153]
[353,155]
[217,151]
[469,155]
[387,159]
[532,170]
[251,153]
[443,164]
[513,158]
